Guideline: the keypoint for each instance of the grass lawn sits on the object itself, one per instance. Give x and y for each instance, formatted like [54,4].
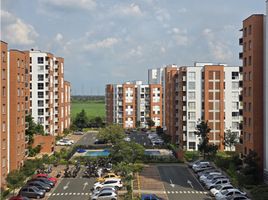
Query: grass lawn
[92,108]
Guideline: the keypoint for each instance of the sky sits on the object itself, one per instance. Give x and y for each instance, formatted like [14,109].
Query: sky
[113,41]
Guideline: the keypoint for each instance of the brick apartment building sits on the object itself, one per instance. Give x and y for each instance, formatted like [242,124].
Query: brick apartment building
[202,92]
[30,84]
[252,136]
[131,103]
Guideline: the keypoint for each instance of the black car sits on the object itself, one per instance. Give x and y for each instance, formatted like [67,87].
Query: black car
[40,185]
[31,192]
[44,180]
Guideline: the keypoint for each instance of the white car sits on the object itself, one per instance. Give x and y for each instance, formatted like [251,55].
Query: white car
[200,164]
[127,139]
[68,140]
[110,189]
[107,195]
[216,182]
[220,188]
[216,177]
[229,192]
[116,183]
[63,143]
[204,177]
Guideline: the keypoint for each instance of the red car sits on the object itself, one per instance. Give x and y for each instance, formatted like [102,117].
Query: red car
[53,179]
[19,198]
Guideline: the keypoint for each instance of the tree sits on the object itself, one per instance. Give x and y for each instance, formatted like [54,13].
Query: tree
[33,128]
[81,120]
[202,131]
[230,139]
[15,179]
[112,133]
[150,123]
[138,124]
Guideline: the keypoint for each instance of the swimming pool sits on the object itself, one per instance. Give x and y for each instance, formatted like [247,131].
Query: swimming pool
[95,153]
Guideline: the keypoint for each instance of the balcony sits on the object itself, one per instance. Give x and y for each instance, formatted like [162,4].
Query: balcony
[240,41]
[184,98]
[184,88]
[184,108]
[184,128]
[241,55]
[184,78]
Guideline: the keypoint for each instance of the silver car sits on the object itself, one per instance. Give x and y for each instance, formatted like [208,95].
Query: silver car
[107,195]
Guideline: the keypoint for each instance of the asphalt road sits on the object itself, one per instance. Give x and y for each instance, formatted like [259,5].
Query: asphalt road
[87,139]
[140,138]
[78,188]
[180,183]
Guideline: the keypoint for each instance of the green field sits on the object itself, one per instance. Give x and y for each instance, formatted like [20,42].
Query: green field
[92,108]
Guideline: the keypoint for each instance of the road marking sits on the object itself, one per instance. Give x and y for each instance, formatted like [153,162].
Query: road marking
[66,193]
[171,183]
[70,193]
[190,183]
[85,185]
[66,186]
[185,192]
[78,193]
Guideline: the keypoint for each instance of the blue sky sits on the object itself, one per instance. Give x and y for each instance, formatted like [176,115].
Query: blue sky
[111,41]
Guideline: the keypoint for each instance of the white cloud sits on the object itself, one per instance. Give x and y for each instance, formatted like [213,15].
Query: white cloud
[162,15]
[218,48]
[132,9]
[180,36]
[59,37]
[81,4]
[16,31]
[135,51]
[106,43]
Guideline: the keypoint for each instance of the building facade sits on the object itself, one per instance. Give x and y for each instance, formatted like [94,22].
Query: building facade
[49,93]
[253,70]
[132,103]
[4,160]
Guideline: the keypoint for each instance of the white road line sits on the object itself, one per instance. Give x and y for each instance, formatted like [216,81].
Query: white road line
[66,193]
[70,193]
[82,193]
[74,193]
[176,192]
[62,193]
[78,193]
[180,192]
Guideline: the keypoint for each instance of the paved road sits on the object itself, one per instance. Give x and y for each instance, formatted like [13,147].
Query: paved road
[140,138]
[87,139]
[179,183]
[73,188]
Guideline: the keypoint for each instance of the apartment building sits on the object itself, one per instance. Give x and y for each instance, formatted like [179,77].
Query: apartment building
[205,91]
[253,70]
[132,103]
[3,114]
[265,100]
[49,93]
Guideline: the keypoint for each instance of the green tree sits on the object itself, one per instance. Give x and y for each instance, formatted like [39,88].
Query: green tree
[150,123]
[33,128]
[203,131]
[112,133]
[250,173]
[230,139]
[81,120]
[138,124]
[15,179]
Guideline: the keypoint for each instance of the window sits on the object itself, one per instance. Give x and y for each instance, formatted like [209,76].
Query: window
[235,85]
[191,105]
[249,61]
[3,56]
[40,111]
[40,60]
[192,145]
[235,75]
[41,68]
[191,115]
[191,86]
[235,105]
[235,115]
[249,29]
[3,91]
[18,63]
[245,62]
[4,126]
[191,95]
[235,125]
[249,45]
[30,60]
[18,107]
[40,94]
[40,77]
[191,76]
[249,106]
[235,95]
[4,109]
[40,103]
[245,32]
[249,91]
[40,86]
[18,91]
[191,125]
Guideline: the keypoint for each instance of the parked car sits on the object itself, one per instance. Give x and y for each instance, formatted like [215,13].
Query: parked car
[201,163]
[190,164]
[210,180]
[116,183]
[44,180]
[40,185]
[127,139]
[229,192]
[62,142]
[46,176]
[31,192]
[150,197]
[237,197]
[107,176]
[109,195]
[205,172]
[216,182]
[78,133]
[202,168]
[112,189]
[18,197]
[204,177]
[219,188]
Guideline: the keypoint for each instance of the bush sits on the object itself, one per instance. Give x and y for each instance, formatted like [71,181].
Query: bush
[4,193]
[259,192]
[191,155]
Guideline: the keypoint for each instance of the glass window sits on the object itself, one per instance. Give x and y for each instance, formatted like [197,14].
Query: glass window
[235,85]
[40,60]
[191,115]
[191,95]
[191,105]
[191,86]
[40,77]
[191,76]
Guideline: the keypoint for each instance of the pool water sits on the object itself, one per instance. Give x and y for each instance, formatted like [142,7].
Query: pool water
[152,152]
[96,153]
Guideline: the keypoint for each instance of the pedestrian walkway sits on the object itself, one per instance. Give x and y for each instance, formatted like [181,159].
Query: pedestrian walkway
[68,194]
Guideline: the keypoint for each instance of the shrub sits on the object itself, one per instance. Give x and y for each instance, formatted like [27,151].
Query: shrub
[191,155]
